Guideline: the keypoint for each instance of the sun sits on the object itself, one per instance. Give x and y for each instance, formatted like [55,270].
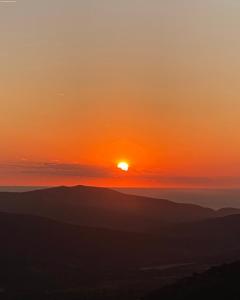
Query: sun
[124,166]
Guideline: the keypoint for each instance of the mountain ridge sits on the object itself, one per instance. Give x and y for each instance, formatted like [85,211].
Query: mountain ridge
[45,254]
[103,207]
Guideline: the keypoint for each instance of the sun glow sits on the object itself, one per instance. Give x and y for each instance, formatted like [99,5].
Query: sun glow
[124,166]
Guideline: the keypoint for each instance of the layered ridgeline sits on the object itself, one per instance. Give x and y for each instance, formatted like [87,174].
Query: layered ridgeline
[116,243]
[217,283]
[45,258]
[100,207]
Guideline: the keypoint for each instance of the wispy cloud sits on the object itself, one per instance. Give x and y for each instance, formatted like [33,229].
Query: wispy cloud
[53,169]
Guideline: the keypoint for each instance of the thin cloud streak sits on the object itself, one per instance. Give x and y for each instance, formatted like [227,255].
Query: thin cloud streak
[55,169]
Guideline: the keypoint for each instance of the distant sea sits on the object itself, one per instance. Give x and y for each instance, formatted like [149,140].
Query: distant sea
[213,198]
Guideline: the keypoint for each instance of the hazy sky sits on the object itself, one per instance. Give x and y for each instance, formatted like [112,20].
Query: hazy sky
[85,83]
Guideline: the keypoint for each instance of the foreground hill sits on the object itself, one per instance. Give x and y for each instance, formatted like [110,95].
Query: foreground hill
[43,256]
[100,207]
[38,255]
[218,283]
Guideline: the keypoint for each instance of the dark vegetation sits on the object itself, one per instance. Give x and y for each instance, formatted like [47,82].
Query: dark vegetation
[218,283]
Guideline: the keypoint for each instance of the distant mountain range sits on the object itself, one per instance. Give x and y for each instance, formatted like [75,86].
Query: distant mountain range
[101,207]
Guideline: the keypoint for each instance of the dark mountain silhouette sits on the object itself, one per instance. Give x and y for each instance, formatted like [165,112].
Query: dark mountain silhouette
[100,207]
[218,283]
[209,238]
[39,255]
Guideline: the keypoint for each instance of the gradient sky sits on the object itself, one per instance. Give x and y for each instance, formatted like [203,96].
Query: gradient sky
[86,83]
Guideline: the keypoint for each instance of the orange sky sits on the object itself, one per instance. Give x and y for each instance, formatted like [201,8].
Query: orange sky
[85,84]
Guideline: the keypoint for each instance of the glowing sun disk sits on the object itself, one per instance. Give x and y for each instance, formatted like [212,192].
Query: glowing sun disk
[123,166]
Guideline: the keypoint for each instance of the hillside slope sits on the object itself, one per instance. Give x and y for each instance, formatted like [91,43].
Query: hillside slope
[218,283]
[38,254]
[100,207]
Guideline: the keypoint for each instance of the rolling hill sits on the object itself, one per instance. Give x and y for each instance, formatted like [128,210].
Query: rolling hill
[101,207]
[39,255]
